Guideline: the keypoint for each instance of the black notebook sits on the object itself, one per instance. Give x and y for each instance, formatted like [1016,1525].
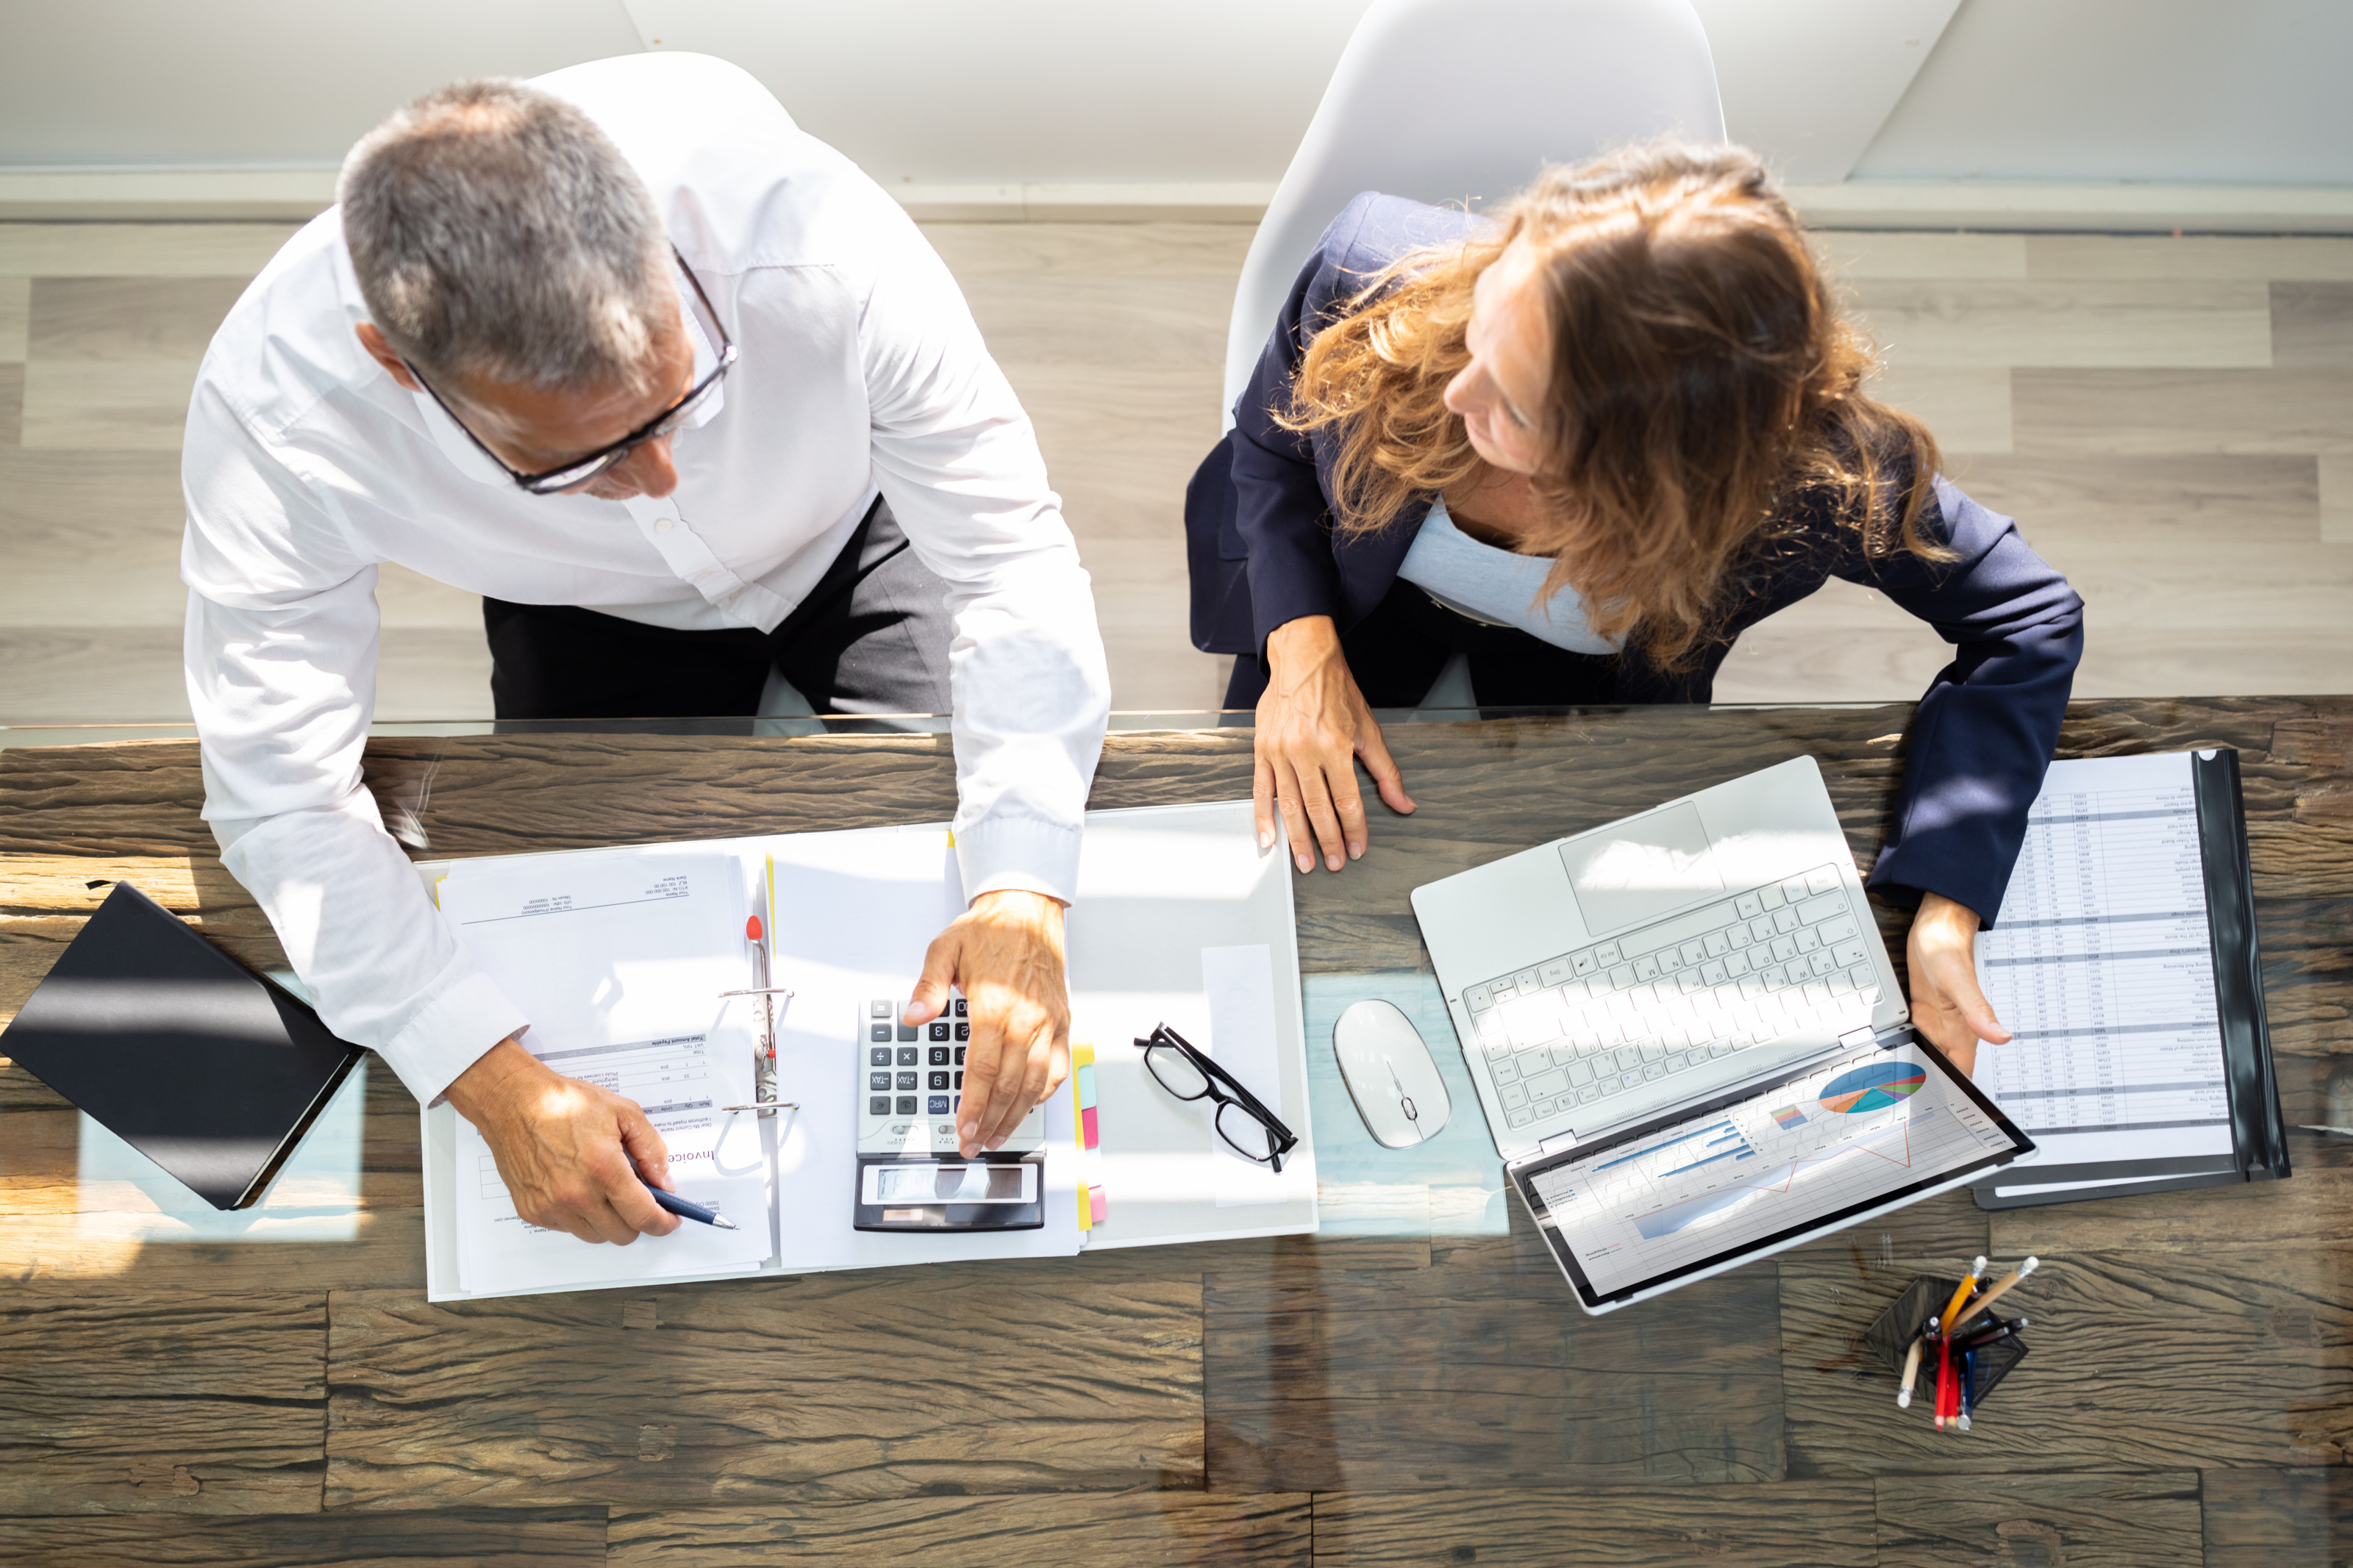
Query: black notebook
[2125,962]
[208,1068]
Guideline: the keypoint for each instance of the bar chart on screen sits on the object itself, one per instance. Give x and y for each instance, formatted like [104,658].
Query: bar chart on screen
[1845,1134]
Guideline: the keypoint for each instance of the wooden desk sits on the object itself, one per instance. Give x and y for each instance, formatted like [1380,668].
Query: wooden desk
[1425,1399]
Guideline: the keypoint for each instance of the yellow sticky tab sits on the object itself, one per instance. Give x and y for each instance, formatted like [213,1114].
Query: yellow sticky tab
[1080,1057]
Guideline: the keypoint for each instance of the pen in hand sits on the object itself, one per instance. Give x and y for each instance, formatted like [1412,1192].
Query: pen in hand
[687,1208]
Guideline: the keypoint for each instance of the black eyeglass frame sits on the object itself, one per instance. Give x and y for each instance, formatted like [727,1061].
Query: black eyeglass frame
[1166,1038]
[580,470]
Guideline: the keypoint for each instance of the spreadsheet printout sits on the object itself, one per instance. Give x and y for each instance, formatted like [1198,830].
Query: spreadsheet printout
[2101,963]
[1845,1136]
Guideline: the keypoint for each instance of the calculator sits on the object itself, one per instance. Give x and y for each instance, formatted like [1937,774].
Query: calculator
[909,1176]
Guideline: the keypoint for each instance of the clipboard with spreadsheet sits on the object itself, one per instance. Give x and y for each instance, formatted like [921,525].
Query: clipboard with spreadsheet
[2125,962]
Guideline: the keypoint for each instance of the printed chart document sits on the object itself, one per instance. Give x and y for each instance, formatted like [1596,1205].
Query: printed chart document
[2101,965]
[619,962]
[1838,1140]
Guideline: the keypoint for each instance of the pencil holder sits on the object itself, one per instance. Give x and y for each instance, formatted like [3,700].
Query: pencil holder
[1892,1333]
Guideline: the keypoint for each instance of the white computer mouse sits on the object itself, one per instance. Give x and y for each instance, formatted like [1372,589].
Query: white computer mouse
[1389,1075]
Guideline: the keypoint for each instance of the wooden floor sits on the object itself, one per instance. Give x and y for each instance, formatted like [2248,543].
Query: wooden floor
[1415,1398]
[2171,421]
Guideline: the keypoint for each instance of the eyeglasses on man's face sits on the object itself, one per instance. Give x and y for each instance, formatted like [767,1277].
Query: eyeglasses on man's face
[1248,1127]
[580,470]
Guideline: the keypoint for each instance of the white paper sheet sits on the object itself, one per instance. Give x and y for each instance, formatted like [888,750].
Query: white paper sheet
[678,1087]
[1239,984]
[618,961]
[2102,965]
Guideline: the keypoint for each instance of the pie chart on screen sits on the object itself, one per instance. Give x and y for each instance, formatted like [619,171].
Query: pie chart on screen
[1873,1088]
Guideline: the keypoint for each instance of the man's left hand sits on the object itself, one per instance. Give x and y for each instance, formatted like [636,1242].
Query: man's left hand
[1004,953]
[1947,1005]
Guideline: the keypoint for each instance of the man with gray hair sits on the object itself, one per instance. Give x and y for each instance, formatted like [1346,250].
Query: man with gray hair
[688,400]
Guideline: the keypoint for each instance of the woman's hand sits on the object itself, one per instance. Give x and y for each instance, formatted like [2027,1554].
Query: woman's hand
[1313,723]
[1947,1005]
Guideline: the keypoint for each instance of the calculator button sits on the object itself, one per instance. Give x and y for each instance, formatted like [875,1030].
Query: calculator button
[878,1058]
[906,1105]
[937,1081]
[877,1080]
[960,1051]
[906,1033]
[959,1080]
[939,1031]
[964,1031]
[879,1034]
[879,1009]
[938,1105]
[907,1080]
[959,1006]
[939,1056]
[908,1058]
[879,1106]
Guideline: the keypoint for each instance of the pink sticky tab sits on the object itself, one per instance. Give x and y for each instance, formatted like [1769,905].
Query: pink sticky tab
[1101,1208]
[1087,1121]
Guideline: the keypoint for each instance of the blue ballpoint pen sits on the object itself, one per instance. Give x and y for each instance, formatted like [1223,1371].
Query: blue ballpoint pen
[687,1208]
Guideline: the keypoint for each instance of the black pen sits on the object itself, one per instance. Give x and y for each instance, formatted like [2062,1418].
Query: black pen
[687,1208]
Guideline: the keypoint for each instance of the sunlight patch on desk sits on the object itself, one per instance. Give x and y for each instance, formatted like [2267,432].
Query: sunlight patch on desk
[315,1196]
[1450,1186]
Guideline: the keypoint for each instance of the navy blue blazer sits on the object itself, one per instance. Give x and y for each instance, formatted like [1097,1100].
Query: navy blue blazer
[1262,552]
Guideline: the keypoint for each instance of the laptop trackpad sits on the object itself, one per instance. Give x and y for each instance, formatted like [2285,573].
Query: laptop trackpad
[1642,869]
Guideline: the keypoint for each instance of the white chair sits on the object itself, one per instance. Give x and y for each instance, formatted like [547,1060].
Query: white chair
[1447,100]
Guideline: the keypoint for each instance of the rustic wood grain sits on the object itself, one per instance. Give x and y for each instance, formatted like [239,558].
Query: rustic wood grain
[490,1538]
[1785,1524]
[1482,1373]
[2268,1517]
[1132,1529]
[2309,1209]
[955,1378]
[1262,1369]
[2137,1361]
[140,1399]
[2132,1521]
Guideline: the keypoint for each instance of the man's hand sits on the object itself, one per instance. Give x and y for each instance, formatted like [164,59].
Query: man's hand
[1947,1005]
[1004,953]
[568,1152]
[1312,725]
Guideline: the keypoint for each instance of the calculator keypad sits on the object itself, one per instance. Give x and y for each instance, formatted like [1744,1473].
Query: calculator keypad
[913,1078]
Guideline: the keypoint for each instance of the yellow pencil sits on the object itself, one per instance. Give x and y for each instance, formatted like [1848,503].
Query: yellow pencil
[1960,1294]
[1988,1298]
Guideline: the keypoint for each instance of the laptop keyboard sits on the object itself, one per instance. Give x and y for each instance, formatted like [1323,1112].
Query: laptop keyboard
[1623,1014]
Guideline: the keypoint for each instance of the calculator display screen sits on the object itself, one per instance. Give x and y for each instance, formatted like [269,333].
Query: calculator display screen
[940,1184]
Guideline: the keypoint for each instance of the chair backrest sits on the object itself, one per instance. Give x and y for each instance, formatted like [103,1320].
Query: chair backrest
[1448,100]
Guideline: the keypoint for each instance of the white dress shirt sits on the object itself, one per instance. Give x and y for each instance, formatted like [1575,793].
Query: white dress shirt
[306,464]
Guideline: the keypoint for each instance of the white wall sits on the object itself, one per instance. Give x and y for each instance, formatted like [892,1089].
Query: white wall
[1209,90]
[273,83]
[2185,90]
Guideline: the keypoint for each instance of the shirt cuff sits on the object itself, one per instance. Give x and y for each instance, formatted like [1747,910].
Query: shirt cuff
[467,1015]
[1026,853]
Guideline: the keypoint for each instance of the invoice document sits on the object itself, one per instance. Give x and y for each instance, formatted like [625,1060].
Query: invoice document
[619,961]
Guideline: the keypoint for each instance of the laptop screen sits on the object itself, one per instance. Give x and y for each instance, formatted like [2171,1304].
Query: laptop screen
[1746,1174]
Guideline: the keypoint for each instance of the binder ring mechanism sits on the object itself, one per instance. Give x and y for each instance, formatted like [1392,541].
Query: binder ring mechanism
[763,1054]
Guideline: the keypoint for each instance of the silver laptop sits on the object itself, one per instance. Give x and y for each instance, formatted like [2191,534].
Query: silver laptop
[1680,963]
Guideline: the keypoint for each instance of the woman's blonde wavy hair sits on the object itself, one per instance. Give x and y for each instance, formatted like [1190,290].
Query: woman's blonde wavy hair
[1703,383]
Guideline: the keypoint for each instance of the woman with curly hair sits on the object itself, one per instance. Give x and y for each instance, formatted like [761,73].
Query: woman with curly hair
[1586,443]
